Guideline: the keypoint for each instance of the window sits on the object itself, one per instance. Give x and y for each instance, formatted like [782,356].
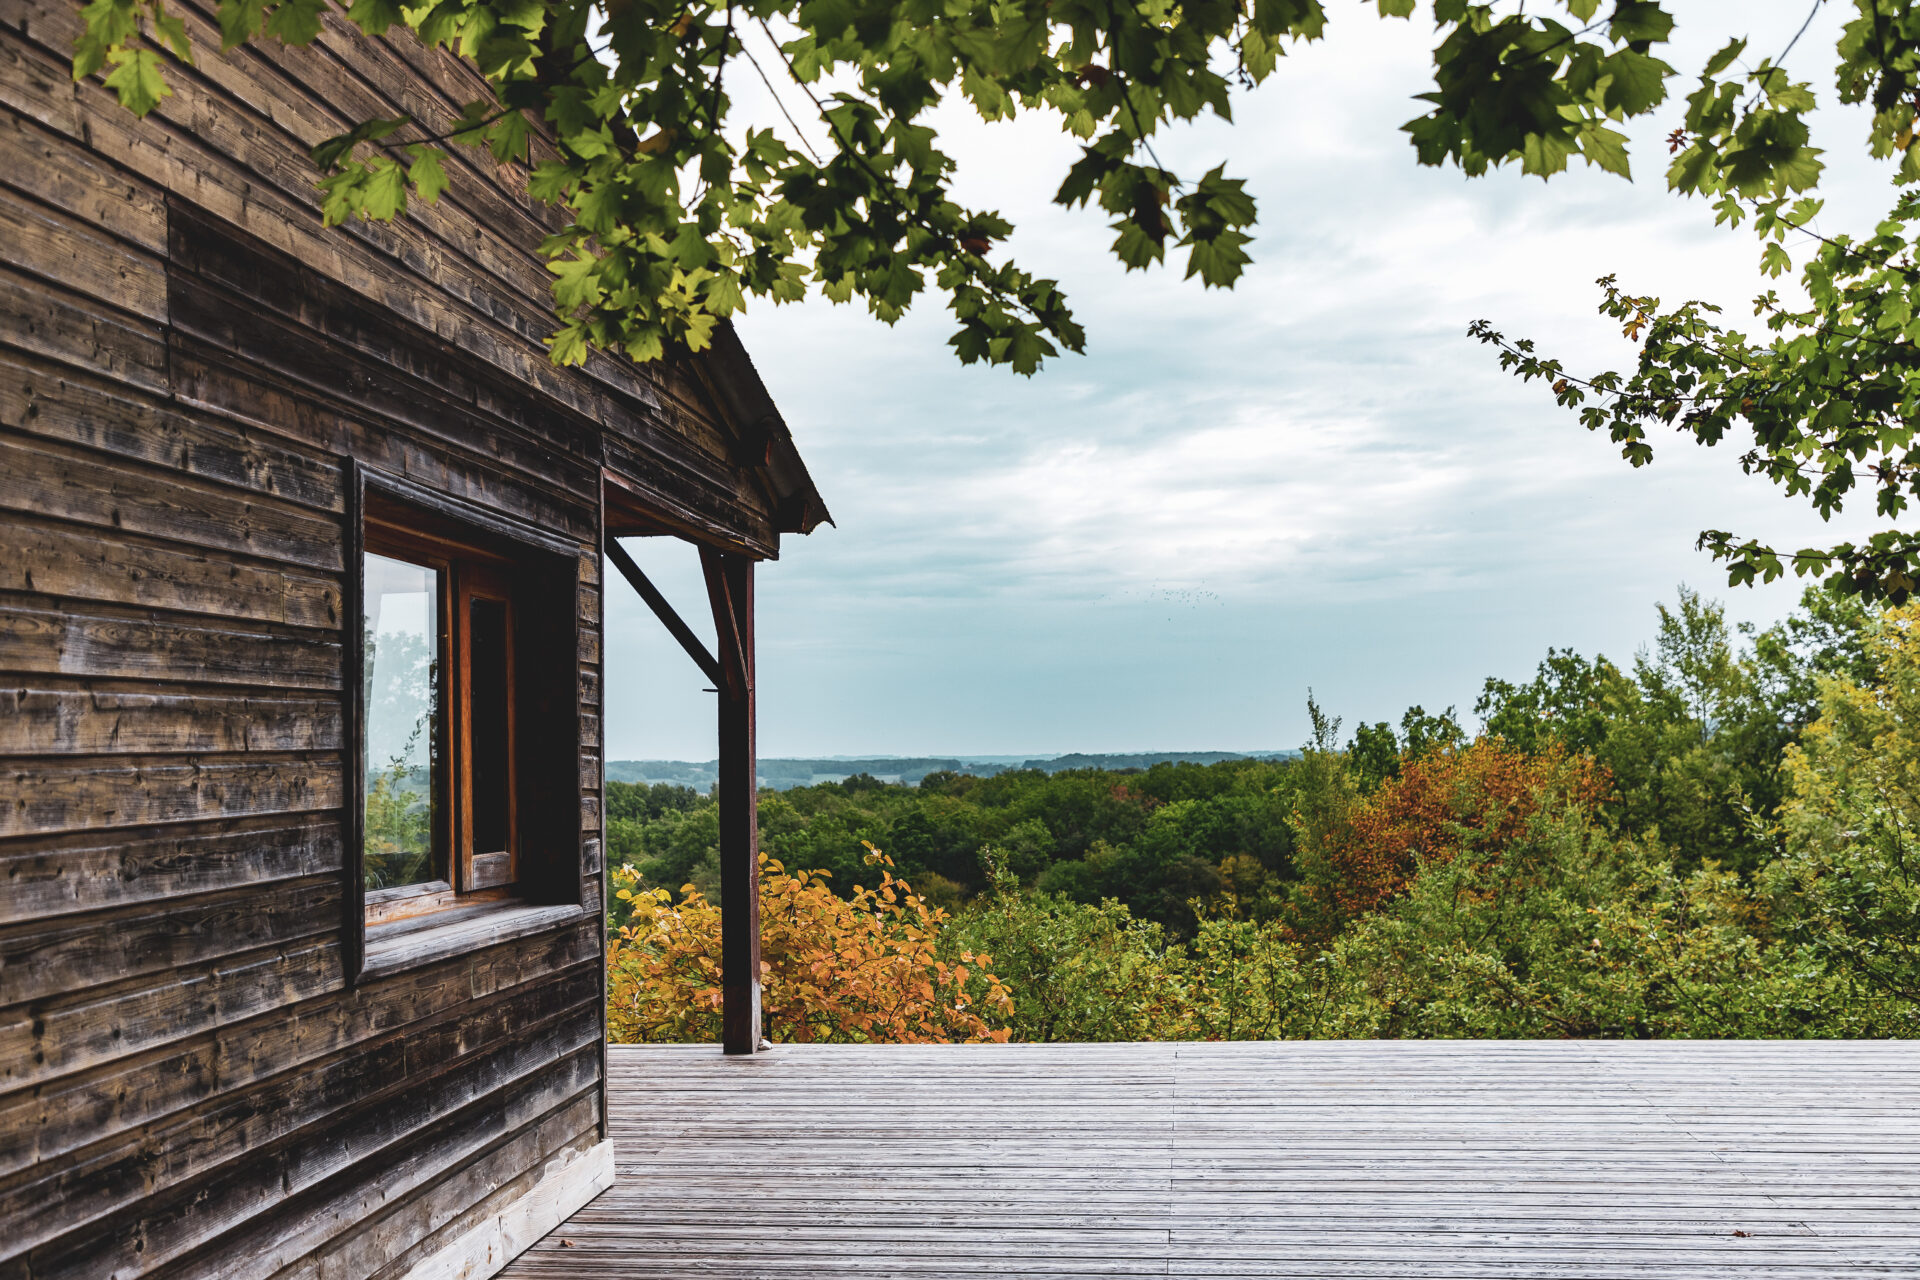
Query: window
[468,802]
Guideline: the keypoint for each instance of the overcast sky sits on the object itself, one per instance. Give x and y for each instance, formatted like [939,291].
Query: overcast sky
[1313,481]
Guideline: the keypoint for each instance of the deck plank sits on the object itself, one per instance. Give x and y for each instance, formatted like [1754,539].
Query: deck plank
[1432,1160]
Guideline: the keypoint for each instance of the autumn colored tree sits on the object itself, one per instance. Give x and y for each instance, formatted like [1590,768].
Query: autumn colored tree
[1474,800]
[863,968]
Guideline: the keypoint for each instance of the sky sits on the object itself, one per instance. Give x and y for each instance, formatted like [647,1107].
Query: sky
[1315,481]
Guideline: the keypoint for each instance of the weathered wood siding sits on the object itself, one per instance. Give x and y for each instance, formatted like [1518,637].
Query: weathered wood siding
[187,1085]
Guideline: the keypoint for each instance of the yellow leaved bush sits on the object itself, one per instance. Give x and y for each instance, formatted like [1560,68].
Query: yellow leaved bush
[865,968]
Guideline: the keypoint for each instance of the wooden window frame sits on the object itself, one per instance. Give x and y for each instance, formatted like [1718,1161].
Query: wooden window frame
[467,573]
[480,555]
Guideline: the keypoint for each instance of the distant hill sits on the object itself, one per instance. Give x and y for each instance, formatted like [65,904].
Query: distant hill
[780,773]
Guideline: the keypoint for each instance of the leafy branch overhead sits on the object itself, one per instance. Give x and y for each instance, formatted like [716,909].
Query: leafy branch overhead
[1829,386]
[676,218]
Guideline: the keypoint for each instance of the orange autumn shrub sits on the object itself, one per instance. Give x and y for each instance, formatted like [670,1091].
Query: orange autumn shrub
[1477,799]
[860,969]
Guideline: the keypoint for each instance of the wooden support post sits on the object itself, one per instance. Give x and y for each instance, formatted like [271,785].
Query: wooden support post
[730,588]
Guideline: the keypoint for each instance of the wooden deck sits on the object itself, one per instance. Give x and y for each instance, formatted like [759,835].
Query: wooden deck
[1455,1159]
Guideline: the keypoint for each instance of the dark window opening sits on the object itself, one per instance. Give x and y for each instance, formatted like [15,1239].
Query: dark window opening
[489,698]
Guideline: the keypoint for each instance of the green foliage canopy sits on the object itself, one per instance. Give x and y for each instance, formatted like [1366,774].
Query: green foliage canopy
[675,221]
[1829,387]
[1750,874]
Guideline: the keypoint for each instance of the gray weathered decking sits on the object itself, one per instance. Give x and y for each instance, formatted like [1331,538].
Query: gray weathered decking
[1404,1159]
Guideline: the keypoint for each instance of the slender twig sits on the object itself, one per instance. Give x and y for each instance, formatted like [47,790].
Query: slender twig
[1767,79]
[779,102]
[719,75]
[971,261]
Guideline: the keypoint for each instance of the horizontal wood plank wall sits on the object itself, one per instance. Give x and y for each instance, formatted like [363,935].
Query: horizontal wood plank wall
[187,1086]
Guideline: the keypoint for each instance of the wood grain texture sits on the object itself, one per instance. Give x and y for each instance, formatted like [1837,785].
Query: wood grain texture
[473,1102]
[109,493]
[1469,1159]
[81,563]
[465,1215]
[37,961]
[82,794]
[55,322]
[115,1096]
[63,175]
[72,253]
[39,636]
[38,397]
[54,717]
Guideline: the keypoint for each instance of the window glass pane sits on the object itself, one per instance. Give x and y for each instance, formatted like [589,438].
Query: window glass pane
[403,707]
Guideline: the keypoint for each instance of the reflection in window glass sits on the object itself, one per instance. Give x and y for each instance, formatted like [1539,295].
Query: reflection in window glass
[403,704]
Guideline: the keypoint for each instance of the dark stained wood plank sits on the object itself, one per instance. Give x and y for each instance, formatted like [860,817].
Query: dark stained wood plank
[285,159]
[730,594]
[340,391]
[108,719]
[44,399]
[38,638]
[114,1096]
[409,943]
[94,871]
[78,485]
[707,513]
[389,1245]
[432,85]
[423,1195]
[483,232]
[401,1142]
[69,252]
[208,379]
[452,359]
[40,162]
[81,563]
[492,1048]
[65,326]
[37,961]
[665,441]
[55,795]
[30,80]
[43,1042]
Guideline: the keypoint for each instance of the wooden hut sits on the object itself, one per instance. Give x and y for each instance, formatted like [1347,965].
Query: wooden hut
[300,678]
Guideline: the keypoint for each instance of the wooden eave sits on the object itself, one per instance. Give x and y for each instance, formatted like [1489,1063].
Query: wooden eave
[764,442]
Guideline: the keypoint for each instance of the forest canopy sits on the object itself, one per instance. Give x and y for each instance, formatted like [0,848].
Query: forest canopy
[1713,839]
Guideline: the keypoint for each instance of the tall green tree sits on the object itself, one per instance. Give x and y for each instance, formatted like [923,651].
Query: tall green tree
[1851,877]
